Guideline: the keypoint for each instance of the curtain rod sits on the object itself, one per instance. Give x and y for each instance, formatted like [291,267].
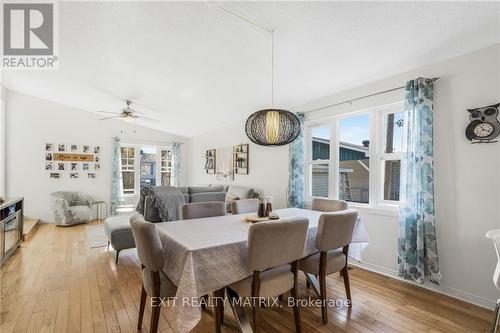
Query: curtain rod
[362,97]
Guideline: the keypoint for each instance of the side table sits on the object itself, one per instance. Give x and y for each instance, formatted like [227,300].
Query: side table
[101,209]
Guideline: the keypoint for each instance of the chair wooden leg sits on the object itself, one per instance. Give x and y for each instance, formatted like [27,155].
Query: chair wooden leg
[219,309]
[255,300]
[322,286]
[155,310]
[117,253]
[296,309]
[494,326]
[141,307]
[345,275]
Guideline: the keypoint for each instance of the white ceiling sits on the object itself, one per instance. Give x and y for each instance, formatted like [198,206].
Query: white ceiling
[196,68]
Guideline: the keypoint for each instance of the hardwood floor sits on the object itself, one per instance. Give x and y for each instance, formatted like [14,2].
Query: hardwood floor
[56,283]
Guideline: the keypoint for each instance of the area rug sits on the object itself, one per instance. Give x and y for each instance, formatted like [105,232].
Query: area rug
[96,236]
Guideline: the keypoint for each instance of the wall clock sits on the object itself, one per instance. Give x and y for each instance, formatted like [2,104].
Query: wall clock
[484,125]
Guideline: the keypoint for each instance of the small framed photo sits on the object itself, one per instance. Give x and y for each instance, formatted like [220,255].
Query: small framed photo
[61,166]
[49,147]
[97,166]
[74,148]
[49,166]
[48,157]
[74,166]
[97,149]
[55,175]
[73,175]
[86,149]
[96,158]
[62,147]
[91,175]
[85,166]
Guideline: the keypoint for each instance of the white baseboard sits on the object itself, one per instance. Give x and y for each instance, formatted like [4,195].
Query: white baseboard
[441,289]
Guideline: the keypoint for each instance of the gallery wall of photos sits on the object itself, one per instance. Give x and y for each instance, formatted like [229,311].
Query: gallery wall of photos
[72,161]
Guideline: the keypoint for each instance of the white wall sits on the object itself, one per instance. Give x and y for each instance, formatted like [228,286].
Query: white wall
[2,140]
[32,122]
[268,165]
[467,187]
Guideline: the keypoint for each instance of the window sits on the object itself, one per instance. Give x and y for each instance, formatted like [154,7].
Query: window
[354,158]
[357,157]
[128,170]
[319,162]
[152,167]
[166,166]
[393,146]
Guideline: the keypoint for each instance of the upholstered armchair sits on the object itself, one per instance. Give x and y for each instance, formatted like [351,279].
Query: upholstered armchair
[70,208]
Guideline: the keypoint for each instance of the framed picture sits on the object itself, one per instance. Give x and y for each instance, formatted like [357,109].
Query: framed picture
[55,175]
[49,147]
[85,166]
[86,149]
[97,149]
[48,157]
[96,158]
[91,175]
[49,166]
[73,175]
[74,148]
[62,147]
[74,166]
[61,166]
[97,166]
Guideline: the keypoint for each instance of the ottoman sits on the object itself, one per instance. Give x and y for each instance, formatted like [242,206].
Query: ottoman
[119,233]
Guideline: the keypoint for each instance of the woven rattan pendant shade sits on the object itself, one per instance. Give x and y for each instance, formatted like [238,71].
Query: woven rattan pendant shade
[272,127]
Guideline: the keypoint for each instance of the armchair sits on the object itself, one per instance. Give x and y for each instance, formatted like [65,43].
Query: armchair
[70,208]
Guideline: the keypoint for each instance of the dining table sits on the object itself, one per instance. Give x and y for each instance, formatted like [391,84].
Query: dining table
[206,254]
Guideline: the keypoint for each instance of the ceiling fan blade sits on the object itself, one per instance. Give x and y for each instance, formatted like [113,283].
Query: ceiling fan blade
[108,112]
[150,119]
[110,117]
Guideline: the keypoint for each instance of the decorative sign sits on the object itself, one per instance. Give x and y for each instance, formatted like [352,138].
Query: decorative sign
[73,157]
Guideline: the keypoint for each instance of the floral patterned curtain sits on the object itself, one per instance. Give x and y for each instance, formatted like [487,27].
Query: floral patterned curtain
[417,249]
[116,183]
[176,157]
[296,168]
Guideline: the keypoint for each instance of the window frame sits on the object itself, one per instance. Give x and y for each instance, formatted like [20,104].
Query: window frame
[376,154]
[137,165]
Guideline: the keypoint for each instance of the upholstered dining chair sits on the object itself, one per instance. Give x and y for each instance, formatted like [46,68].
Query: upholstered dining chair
[244,206]
[273,250]
[328,205]
[333,237]
[197,210]
[494,235]
[154,281]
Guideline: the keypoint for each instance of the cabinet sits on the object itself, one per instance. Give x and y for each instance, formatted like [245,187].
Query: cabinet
[11,227]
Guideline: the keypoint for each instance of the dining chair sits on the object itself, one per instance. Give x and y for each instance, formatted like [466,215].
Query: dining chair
[196,210]
[245,206]
[494,235]
[328,205]
[273,250]
[154,281]
[334,234]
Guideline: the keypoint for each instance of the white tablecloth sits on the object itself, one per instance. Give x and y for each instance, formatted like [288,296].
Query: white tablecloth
[203,255]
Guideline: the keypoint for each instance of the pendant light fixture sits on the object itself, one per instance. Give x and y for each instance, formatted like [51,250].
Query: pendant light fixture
[269,127]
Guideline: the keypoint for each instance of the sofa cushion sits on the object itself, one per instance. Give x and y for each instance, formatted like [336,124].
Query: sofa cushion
[204,189]
[235,192]
[208,196]
[79,213]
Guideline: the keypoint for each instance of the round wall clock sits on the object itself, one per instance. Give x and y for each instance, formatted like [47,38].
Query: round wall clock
[484,125]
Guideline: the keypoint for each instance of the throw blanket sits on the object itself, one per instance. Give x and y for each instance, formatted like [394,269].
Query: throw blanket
[167,199]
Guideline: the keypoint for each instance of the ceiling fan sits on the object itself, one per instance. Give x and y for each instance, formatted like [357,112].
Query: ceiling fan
[127,114]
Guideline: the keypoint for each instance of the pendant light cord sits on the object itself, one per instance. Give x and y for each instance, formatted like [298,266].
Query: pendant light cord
[260,26]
